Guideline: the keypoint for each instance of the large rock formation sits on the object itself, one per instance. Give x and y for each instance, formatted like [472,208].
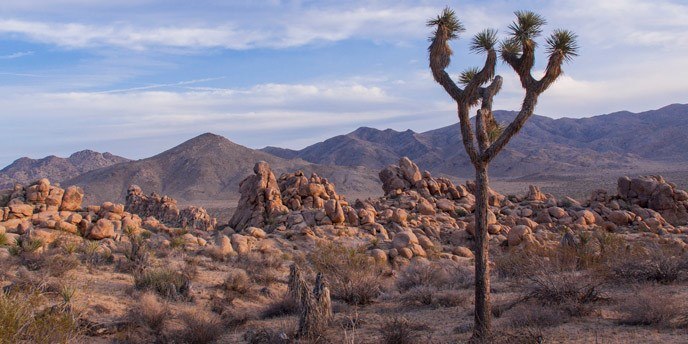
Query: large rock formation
[165,209]
[655,193]
[260,199]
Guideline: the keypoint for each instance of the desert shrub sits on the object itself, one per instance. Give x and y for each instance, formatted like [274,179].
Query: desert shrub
[652,307]
[657,265]
[237,281]
[165,281]
[519,263]
[282,307]
[267,336]
[136,255]
[536,315]
[25,318]
[57,265]
[430,296]
[3,239]
[150,312]
[525,335]
[572,293]
[262,268]
[400,330]
[353,276]
[424,273]
[199,328]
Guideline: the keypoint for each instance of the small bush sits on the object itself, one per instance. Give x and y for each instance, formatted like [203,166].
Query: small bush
[262,268]
[429,296]
[237,281]
[426,274]
[536,315]
[166,282]
[353,276]
[571,293]
[656,266]
[3,239]
[199,328]
[267,336]
[150,312]
[25,318]
[399,330]
[655,308]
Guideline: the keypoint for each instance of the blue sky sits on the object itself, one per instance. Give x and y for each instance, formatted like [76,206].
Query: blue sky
[135,77]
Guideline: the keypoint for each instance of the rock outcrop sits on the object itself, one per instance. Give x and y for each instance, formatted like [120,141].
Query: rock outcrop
[260,202]
[165,209]
[653,192]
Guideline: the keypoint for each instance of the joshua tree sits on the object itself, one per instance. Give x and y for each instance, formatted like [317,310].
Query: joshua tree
[479,88]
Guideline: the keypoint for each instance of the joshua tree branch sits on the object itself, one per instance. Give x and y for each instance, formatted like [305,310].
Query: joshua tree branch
[527,109]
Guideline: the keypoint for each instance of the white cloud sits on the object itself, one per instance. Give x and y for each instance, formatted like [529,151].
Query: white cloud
[16,55]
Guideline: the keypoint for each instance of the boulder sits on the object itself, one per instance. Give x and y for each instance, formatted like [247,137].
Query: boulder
[102,229]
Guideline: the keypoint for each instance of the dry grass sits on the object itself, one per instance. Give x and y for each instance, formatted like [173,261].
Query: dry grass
[167,282]
[400,330]
[573,293]
[428,274]
[237,281]
[353,276]
[651,307]
[262,268]
[151,312]
[429,296]
[199,328]
[26,317]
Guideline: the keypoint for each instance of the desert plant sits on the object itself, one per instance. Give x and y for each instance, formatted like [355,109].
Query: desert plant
[237,281]
[3,239]
[167,282]
[518,51]
[354,276]
[650,306]
[399,330]
[199,328]
[150,312]
[24,318]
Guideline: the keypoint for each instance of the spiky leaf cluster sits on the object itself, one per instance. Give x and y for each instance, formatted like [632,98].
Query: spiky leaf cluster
[466,76]
[484,41]
[448,21]
[562,42]
[527,26]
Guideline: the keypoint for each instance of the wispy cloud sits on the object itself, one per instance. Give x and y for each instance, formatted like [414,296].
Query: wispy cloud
[16,55]
[155,86]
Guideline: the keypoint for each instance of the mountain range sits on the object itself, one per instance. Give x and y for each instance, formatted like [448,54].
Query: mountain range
[208,168]
[26,170]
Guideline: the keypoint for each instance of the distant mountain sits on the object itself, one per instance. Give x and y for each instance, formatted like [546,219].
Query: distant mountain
[208,168]
[620,140]
[26,170]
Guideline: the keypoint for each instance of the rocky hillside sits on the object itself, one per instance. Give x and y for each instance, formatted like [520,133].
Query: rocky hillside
[559,146]
[206,168]
[26,170]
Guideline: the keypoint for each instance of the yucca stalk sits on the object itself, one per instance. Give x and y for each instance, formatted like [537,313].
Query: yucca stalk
[518,51]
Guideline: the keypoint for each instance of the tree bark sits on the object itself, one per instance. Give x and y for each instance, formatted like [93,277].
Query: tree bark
[483,311]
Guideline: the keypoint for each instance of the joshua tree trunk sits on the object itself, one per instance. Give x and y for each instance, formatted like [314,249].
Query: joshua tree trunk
[483,310]
[519,52]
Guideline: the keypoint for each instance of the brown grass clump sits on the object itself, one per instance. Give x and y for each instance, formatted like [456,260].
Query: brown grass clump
[656,265]
[353,276]
[400,330]
[150,312]
[536,316]
[199,328]
[167,282]
[429,296]
[571,292]
[267,336]
[427,274]
[237,281]
[25,317]
[262,268]
[651,307]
